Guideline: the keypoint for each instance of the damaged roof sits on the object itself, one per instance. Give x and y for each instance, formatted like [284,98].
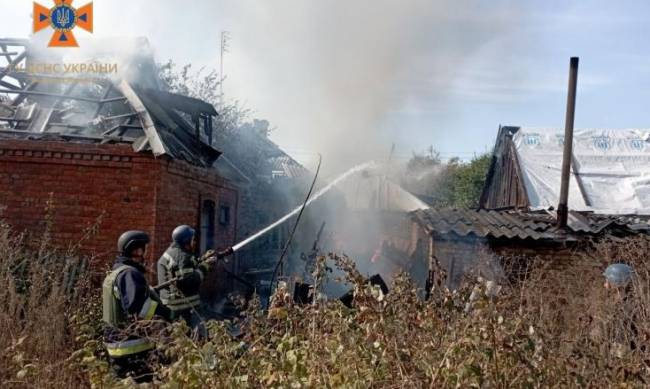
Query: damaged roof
[536,225]
[102,110]
[285,166]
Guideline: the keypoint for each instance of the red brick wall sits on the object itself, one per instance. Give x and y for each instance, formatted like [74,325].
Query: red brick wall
[85,181]
[181,190]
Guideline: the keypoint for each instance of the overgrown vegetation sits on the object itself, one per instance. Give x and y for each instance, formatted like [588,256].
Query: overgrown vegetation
[44,294]
[550,324]
[455,183]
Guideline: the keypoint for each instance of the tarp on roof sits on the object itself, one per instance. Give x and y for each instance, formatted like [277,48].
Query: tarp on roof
[610,169]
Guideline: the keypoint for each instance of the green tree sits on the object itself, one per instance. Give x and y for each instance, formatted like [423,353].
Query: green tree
[454,184]
[204,84]
[469,179]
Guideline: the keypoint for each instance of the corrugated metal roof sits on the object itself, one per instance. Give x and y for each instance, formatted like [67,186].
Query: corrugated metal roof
[536,225]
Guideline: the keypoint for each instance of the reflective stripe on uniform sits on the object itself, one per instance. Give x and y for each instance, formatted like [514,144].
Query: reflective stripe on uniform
[129,347]
[148,309]
[176,304]
[184,271]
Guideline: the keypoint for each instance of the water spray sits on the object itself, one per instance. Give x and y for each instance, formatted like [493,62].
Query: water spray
[294,212]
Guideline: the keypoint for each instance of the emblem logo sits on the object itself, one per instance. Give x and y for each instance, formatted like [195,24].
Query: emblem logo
[63,18]
[532,139]
[637,144]
[602,142]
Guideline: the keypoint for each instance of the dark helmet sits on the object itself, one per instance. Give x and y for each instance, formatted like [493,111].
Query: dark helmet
[131,240]
[183,235]
[619,274]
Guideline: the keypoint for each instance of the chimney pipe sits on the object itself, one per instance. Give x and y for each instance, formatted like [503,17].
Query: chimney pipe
[563,208]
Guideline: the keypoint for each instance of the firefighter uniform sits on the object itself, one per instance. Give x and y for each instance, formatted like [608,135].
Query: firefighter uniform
[127,300]
[181,296]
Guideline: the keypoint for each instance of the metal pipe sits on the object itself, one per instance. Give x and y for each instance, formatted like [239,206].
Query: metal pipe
[563,208]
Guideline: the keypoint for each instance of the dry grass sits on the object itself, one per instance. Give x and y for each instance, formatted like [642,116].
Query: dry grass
[555,325]
[41,289]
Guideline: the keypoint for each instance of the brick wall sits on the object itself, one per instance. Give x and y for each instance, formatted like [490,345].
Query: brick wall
[182,189]
[89,182]
[82,183]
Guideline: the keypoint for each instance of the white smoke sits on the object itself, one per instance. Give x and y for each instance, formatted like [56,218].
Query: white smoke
[331,73]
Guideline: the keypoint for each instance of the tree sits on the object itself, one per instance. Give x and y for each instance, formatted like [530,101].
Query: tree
[204,84]
[422,162]
[469,179]
[453,184]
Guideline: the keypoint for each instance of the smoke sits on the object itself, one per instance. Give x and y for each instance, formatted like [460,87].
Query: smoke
[343,78]
[332,74]
[337,77]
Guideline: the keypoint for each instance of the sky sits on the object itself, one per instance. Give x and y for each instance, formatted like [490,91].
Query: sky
[349,79]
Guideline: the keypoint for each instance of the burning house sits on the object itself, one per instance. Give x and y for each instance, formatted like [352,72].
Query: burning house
[271,184]
[77,153]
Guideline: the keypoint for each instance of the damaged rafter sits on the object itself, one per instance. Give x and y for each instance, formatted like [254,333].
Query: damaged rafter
[122,129]
[151,120]
[46,94]
[12,64]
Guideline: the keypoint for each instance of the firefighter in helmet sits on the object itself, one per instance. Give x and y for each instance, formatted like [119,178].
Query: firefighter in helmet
[182,274]
[618,277]
[129,305]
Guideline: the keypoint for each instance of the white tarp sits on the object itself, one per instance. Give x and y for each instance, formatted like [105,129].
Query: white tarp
[613,167]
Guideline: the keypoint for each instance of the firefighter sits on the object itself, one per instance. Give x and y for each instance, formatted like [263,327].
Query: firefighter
[129,306]
[182,274]
[618,277]
[614,320]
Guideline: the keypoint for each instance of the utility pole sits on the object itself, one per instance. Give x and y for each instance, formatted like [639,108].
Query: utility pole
[225,36]
[563,206]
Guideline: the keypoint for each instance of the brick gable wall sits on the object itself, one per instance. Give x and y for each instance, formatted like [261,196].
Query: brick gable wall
[81,183]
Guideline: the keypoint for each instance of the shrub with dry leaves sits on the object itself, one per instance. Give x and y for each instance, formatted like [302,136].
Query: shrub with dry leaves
[551,325]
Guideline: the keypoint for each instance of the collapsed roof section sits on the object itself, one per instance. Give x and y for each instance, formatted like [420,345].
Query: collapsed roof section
[101,110]
[259,158]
